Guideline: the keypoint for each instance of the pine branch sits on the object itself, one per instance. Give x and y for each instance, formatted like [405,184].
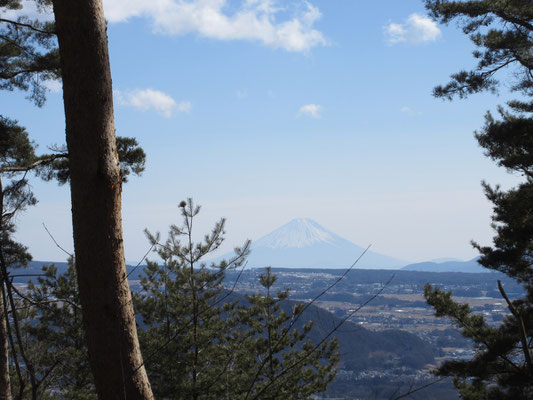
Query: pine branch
[42,161]
[28,26]
[522,328]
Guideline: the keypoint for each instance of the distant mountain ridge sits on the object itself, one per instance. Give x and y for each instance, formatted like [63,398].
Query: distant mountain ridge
[444,259]
[470,266]
[35,268]
[303,243]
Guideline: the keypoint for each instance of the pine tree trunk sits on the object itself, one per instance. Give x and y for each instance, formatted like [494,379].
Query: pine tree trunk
[95,183]
[5,383]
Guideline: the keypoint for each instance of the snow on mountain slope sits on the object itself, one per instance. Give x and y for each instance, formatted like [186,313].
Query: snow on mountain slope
[303,243]
[300,232]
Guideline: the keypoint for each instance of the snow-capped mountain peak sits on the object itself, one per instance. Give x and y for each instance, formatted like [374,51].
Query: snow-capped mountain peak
[300,232]
[302,243]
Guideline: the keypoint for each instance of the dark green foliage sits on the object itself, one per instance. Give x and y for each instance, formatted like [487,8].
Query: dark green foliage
[132,160]
[498,370]
[16,149]
[509,141]
[28,53]
[132,157]
[502,33]
[187,339]
[279,359]
[200,343]
[53,335]
[29,57]
[513,243]
[502,367]
[15,193]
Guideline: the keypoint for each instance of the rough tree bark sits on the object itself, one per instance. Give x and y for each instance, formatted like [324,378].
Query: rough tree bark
[95,183]
[5,382]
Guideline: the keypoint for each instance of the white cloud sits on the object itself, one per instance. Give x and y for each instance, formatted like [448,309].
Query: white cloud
[253,20]
[150,99]
[30,9]
[410,111]
[184,106]
[311,110]
[416,29]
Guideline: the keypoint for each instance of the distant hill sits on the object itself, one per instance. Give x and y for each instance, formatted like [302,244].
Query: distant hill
[444,259]
[363,349]
[303,243]
[470,266]
[35,268]
[360,348]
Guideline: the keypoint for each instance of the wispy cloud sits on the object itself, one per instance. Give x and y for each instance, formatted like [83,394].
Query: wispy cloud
[150,99]
[252,20]
[31,10]
[311,110]
[416,29]
[409,111]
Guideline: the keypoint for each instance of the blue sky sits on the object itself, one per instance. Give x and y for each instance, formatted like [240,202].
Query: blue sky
[264,111]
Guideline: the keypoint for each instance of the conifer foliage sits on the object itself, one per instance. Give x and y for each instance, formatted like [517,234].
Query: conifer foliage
[186,340]
[53,336]
[282,360]
[503,32]
[202,341]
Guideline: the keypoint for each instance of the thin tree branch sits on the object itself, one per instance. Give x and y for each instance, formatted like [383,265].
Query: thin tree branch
[22,384]
[317,346]
[412,391]
[31,27]
[57,244]
[35,164]
[522,328]
[294,320]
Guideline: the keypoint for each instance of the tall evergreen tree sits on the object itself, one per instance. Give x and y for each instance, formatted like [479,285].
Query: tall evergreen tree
[279,358]
[15,195]
[188,339]
[202,341]
[503,32]
[96,196]
[29,54]
[17,159]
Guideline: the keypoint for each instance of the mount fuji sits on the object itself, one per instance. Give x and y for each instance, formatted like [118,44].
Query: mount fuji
[303,243]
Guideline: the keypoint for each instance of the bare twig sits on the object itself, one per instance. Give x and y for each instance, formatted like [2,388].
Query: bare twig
[522,329]
[22,384]
[18,335]
[142,259]
[318,345]
[417,389]
[57,244]
[294,320]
